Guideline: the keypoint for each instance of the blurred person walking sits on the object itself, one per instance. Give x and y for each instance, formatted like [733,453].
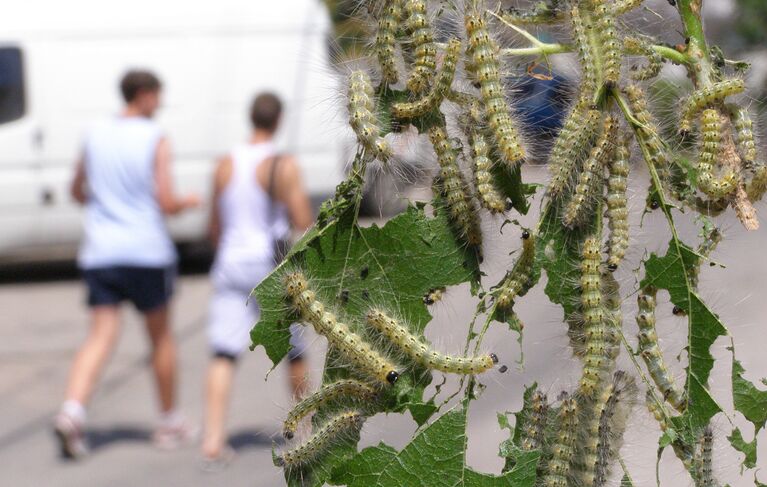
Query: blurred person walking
[124,180]
[257,195]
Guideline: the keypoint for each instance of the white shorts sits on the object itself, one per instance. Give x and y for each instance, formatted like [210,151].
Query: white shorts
[233,311]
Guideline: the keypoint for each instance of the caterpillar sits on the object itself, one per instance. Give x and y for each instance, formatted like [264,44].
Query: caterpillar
[711,239]
[704,459]
[484,53]
[489,196]
[648,133]
[439,90]
[706,96]
[590,178]
[518,279]
[604,23]
[318,443]
[617,206]
[611,291]
[574,136]
[421,353]
[349,344]
[612,423]
[434,295]
[424,50]
[651,353]
[598,324]
[757,185]
[633,45]
[348,388]
[539,13]
[622,6]
[535,424]
[586,56]
[386,41]
[743,125]
[361,116]
[562,450]
[655,410]
[711,128]
[462,212]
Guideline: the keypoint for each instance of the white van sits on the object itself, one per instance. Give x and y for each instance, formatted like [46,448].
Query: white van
[60,64]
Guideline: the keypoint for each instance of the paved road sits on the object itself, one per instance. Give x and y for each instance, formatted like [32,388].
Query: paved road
[43,322]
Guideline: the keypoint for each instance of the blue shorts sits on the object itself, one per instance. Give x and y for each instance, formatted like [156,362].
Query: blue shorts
[147,288]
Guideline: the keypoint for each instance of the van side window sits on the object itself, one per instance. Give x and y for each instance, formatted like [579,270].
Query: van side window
[11,84]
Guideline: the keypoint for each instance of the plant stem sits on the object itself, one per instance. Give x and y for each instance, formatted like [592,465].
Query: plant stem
[699,61]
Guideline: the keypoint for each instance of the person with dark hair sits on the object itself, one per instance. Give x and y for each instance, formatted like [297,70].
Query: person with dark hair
[123,179]
[257,195]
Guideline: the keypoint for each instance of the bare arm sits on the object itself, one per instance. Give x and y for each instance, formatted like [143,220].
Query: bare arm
[170,203]
[221,177]
[77,189]
[290,191]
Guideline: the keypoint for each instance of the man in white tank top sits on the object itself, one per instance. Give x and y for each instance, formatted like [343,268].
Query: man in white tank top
[124,180]
[245,220]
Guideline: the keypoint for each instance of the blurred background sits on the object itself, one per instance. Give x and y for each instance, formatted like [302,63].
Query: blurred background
[60,63]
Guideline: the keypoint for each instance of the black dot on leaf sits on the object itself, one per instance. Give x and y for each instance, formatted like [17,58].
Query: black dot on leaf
[654,204]
[365,294]
[344,296]
[392,377]
[525,235]
[364,272]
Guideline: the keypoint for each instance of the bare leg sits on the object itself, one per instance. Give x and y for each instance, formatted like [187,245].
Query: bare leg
[163,356]
[90,359]
[217,393]
[299,378]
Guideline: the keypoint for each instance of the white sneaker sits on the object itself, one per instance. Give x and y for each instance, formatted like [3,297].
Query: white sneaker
[69,432]
[173,436]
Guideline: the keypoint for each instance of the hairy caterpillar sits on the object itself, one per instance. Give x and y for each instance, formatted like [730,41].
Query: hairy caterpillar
[711,239]
[741,120]
[612,423]
[318,443]
[706,96]
[604,23]
[704,459]
[633,45]
[535,424]
[424,50]
[651,353]
[711,128]
[598,324]
[343,388]
[421,353]
[622,6]
[361,116]
[519,278]
[563,448]
[439,90]
[350,345]
[386,40]
[539,13]
[757,185]
[489,196]
[586,56]
[434,295]
[463,214]
[617,206]
[484,53]
[590,178]
[574,136]
[648,134]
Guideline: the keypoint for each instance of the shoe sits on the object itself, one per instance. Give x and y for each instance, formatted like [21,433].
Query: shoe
[69,432]
[218,462]
[173,436]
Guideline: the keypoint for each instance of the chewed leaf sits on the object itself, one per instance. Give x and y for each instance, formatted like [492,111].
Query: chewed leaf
[749,400]
[746,448]
[671,272]
[434,458]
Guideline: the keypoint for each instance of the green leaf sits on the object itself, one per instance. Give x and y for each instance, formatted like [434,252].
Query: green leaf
[434,458]
[626,481]
[353,268]
[748,449]
[671,272]
[749,400]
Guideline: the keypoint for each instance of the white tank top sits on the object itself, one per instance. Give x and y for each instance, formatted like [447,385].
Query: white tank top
[249,223]
[123,223]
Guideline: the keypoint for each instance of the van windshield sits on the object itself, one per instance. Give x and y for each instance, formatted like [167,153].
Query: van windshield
[11,84]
